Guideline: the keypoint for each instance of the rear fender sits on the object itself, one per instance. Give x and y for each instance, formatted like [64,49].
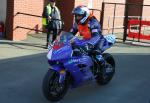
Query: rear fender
[61,71]
[110,41]
[111,38]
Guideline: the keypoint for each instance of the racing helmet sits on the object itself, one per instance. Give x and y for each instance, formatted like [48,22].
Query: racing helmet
[81,11]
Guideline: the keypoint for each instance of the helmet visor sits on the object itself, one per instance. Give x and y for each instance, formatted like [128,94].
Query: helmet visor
[77,11]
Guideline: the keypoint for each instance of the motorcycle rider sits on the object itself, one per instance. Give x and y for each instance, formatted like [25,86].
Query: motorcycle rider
[88,26]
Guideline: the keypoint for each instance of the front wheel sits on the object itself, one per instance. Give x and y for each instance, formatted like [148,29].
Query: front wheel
[107,72]
[52,89]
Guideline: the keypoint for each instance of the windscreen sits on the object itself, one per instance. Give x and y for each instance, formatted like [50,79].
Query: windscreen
[65,36]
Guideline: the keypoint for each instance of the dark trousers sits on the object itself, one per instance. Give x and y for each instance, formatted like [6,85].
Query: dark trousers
[51,35]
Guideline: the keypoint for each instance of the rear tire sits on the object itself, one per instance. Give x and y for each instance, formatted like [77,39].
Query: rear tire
[52,89]
[108,71]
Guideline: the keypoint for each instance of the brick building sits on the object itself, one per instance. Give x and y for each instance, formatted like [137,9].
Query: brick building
[18,23]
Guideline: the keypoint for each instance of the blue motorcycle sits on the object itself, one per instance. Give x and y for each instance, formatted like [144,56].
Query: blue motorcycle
[70,67]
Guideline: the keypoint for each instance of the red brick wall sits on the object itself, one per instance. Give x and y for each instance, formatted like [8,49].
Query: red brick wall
[65,6]
[146,2]
[25,6]
[146,10]
[34,7]
[109,16]
[97,5]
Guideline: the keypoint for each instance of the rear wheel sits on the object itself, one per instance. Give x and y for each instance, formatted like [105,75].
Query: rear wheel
[106,72]
[52,89]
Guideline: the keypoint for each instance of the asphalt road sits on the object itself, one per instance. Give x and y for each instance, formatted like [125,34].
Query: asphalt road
[21,81]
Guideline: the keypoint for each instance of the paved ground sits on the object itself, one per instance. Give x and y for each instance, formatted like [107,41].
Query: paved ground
[32,45]
[23,65]
[35,43]
[21,81]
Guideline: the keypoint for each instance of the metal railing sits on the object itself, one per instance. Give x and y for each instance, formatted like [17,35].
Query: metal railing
[39,16]
[126,17]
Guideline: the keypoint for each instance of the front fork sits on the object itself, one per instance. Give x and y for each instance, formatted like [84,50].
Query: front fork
[61,71]
[62,76]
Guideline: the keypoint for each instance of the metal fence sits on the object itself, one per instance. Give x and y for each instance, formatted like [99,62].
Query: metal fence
[115,19]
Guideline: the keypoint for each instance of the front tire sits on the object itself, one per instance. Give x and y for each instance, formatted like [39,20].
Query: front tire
[108,71]
[52,89]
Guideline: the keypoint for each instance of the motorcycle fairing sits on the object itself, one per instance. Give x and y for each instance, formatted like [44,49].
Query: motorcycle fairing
[56,54]
[77,73]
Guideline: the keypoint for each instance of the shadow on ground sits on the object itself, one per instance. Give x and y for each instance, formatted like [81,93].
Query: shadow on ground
[21,81]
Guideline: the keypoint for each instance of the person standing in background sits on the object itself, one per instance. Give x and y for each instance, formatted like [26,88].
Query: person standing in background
[51,21]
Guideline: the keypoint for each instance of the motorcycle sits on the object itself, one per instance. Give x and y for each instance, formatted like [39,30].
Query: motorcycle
[72,67]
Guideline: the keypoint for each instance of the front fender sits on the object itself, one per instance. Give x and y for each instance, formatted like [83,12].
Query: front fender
[55,67]
[61,71]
